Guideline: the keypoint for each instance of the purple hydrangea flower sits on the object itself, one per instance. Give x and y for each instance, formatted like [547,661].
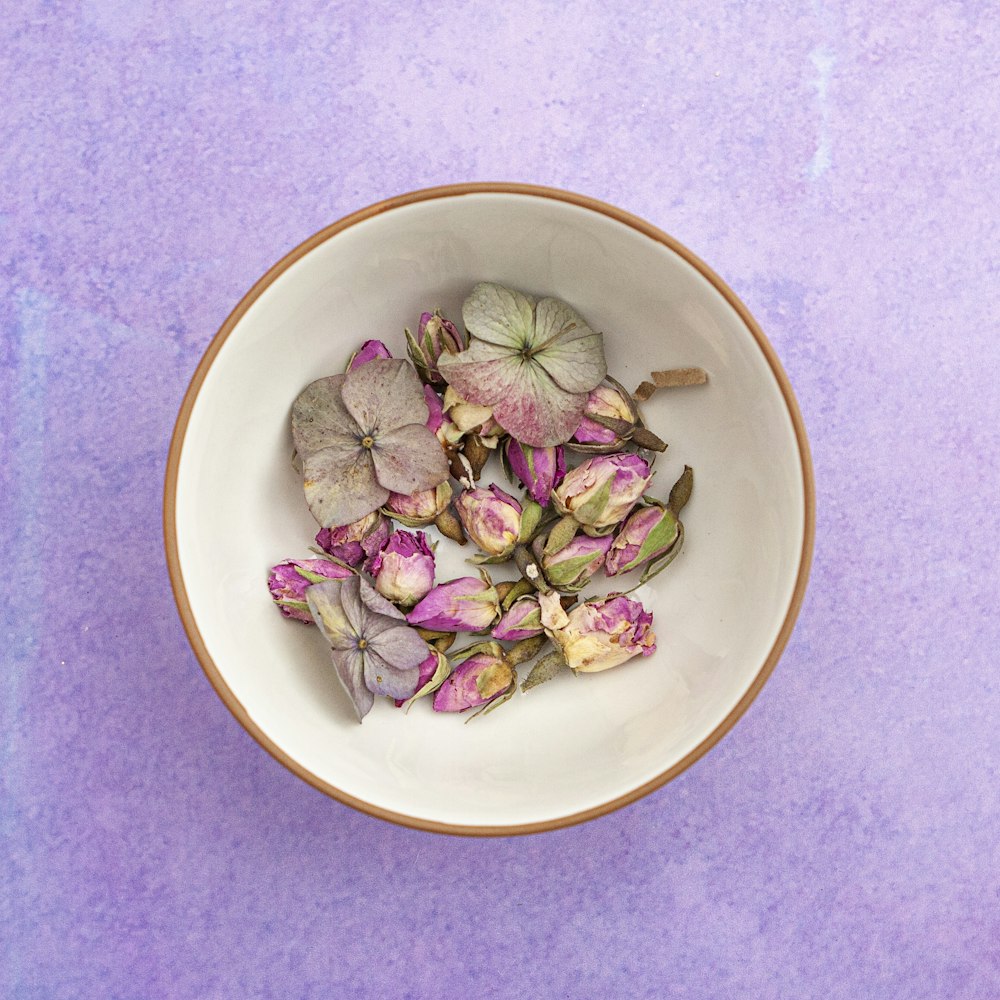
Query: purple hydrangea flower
[374,650]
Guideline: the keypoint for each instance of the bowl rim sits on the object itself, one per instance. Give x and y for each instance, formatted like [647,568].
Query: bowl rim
[177,445]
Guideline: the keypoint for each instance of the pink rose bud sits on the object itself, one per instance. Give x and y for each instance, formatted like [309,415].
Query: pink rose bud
[648,533]
[432,671]
[605,401]
[468,604]
[601,492]
[540,470]
[602,633]
[356,542]
[418,509]
[522,620]
[404,569]
[476,680]
[288,582]
[491,518]
[572,566]
[435,335]
[369,351]
[436,413]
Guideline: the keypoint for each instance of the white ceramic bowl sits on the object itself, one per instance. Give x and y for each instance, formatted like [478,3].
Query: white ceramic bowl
[579,746]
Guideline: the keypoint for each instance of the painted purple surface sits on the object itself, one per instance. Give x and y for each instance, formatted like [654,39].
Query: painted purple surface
[836,163]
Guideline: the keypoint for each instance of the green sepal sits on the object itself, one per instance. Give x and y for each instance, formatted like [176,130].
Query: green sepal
[544,670]
[659,564]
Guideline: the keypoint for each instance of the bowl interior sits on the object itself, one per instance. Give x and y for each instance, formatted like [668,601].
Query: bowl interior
[578,743]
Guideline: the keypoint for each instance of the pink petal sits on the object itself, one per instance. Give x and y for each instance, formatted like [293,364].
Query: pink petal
[526,402]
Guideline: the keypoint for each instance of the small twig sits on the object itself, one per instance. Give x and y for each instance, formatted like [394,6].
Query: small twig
[671,378]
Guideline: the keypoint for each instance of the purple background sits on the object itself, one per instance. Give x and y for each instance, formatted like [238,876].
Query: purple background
[836,163]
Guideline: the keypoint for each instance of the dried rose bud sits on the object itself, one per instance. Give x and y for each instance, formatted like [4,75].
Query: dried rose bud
[522,620]
[601,492]
[353,543]
[540,470]
[491,518]
[468,604]
[481,674]
[434,335]
[369,351]
[404,569]
[574,564]
[604,401]
[603,633]
[418,509]
[648,533]
[288,582]
[432,672]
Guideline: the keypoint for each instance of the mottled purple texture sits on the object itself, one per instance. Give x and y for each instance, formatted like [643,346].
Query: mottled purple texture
[836,163]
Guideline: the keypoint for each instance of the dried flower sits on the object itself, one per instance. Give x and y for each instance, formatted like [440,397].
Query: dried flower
[481,673]
[532,362]
[289,581]
[362,436]
[435,335]
[491,518]
[599,634]
[468,604]
[604,401]
[419,509]
[369,351]
[570,569]
[404,569]
[433,671]
[521,620]
[435,418]
[601,492]
[650,532]
[374,650]
[356,542]
[540,470]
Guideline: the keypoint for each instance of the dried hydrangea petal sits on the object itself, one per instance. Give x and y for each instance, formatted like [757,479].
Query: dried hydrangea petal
[409,460]
[383,395]
[525,401]
[340,486]
[320,420]
[499,315]
[569,350]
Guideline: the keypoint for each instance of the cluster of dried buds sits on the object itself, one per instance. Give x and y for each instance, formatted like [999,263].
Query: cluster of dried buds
[381,443]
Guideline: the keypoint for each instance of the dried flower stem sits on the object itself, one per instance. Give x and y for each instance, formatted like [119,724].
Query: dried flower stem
[671,378]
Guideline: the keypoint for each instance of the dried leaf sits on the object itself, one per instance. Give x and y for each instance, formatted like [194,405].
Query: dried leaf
[544,670]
